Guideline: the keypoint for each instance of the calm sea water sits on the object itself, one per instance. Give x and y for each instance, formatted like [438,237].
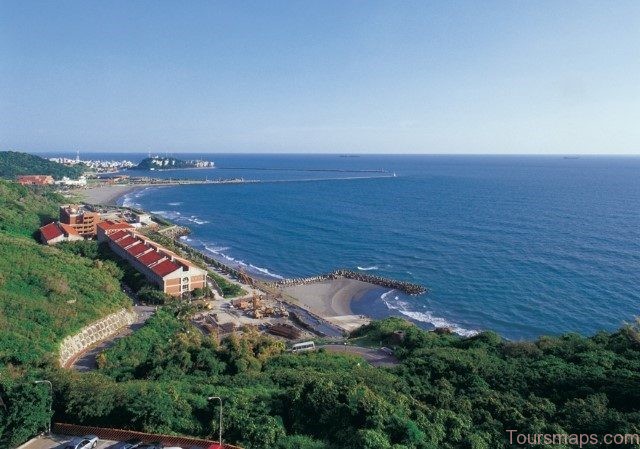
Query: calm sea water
[521,245]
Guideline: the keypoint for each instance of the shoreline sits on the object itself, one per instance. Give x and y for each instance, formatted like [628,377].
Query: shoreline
[329,299]
[108,195]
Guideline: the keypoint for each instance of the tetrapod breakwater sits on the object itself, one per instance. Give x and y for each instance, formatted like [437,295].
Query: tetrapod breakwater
[405,287]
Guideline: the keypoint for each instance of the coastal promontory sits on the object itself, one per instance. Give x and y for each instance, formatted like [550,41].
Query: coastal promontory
[167,163]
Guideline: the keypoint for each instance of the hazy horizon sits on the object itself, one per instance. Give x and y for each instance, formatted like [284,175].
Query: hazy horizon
[491,78]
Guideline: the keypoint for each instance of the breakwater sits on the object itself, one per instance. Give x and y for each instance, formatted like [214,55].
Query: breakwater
[405,287]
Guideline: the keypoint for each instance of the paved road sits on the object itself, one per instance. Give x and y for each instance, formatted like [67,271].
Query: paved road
[377,357]
[86,361]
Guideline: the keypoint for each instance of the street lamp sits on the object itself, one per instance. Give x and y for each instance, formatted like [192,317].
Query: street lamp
[220,426]
[50,402]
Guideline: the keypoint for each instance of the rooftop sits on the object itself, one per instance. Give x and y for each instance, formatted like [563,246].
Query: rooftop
[69,230]
[164,268]
[150,257]
[51,231]
[109,225]
[127,241]
[138,249]
[118,235]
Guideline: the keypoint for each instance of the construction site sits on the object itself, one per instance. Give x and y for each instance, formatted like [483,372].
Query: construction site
[292,309]
[264,308]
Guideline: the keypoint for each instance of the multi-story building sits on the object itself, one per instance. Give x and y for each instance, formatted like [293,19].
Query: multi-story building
[35,180]
[172,273]
[82,220]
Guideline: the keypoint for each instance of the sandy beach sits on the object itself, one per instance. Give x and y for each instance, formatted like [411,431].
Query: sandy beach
[330,298]
[106,195]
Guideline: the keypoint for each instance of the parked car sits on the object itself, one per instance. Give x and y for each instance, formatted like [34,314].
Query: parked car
[154,445]
[134,443]
[85,442]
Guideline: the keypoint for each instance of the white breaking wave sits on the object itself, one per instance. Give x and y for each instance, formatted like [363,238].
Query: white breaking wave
[128,199]
[218,252]
[177,216]
[266,271]
[196,220]
[249,267]
[371,268]
[177,203]
[384,296]
[425,317]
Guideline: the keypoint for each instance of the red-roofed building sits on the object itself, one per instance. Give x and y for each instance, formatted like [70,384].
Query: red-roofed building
[107,227]
[35,180]
[173,274]
[126,242]
[58,232]
[150,258]
[164,268]
[118,235]
[138,250]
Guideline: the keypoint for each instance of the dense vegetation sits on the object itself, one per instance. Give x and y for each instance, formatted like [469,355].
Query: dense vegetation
[447,392]
[46,293]
[24,209]
[13,163]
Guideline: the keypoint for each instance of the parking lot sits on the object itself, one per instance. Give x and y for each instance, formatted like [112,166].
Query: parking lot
[58,442]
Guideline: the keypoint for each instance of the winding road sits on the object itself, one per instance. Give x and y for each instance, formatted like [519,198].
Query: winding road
[377,357]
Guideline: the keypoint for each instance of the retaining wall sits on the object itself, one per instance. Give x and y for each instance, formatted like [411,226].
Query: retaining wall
[93,333]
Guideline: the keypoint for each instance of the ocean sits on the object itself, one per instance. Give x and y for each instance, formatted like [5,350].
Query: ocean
[525,246]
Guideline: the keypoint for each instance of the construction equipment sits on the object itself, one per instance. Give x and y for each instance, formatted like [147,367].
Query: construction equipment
[256,301]
[244,277]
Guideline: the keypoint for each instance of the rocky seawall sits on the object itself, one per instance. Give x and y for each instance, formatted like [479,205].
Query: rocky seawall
[405,287]
[93,333]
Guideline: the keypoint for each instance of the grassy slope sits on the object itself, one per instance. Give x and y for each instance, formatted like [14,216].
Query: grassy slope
[45,293]
[13,164]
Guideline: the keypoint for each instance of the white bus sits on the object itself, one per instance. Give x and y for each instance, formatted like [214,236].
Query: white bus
[304,346]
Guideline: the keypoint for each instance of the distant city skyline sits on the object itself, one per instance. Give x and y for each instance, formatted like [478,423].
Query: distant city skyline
[463,77]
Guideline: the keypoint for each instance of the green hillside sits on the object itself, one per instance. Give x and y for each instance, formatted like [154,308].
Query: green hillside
[23,210]
[45,293]
[13,163]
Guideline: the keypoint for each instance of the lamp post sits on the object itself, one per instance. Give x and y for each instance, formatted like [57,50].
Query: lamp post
[50,402]
[220,425]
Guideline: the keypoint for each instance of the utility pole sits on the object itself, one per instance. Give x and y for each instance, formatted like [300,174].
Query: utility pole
[50,402]
[220,425]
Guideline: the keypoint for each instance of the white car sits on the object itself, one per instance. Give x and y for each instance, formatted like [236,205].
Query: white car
[85,442]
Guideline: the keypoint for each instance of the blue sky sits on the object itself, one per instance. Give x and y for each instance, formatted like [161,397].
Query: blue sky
[345,76]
